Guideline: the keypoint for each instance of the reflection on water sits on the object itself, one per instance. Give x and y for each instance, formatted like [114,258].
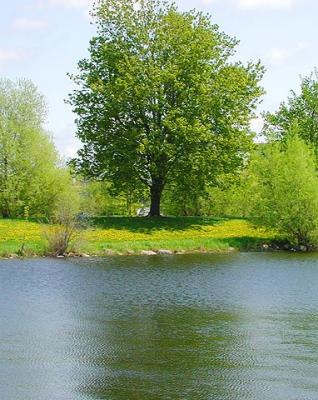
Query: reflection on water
[161,355]
[227,327]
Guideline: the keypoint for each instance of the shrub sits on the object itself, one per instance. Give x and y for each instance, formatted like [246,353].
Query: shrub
[283,190]
[65,227]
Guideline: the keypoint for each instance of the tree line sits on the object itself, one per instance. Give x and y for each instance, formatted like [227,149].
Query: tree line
[163,113]
[32,177]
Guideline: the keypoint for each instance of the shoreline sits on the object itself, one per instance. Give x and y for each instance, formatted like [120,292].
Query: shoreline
[264,248]
[109,253]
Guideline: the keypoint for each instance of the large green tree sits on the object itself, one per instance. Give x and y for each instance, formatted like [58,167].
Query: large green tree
[30,176]
[158,98]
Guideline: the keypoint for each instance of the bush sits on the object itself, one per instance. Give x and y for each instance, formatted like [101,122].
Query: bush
[65,227]
[282,186]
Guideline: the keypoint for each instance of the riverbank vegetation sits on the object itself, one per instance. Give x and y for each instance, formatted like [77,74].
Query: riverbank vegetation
[119,235]
[163,113]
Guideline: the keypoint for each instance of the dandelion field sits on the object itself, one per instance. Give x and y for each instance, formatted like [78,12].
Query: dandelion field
[133,235]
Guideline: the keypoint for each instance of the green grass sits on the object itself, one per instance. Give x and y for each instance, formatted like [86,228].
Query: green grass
[126,235]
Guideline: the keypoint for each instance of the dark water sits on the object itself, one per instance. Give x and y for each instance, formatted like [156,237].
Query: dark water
[200,327]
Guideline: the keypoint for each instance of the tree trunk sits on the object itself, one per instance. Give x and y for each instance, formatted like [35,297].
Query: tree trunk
[5,212]
[155,194]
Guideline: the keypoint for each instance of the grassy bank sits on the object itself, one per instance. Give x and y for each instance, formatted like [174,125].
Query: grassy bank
[128,235]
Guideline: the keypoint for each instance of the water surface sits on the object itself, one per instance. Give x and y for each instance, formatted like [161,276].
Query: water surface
[227,327]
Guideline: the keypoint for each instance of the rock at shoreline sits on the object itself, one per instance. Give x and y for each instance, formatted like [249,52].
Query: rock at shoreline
[13,256]
[162,251]
[148,253]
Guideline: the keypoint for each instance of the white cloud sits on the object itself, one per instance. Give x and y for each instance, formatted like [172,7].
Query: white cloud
[8,55]
[262,4]
[255,4]
[279,56]
[207,2]
[302,46]
[69,3]
[27,24]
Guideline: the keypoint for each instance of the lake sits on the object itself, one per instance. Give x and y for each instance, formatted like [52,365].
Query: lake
[219,327]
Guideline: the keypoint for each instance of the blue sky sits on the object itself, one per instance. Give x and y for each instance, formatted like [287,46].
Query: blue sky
[43,40]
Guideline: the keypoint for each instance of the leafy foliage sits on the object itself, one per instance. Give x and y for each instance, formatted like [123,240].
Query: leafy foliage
[283,189]
[158,98]
[30,175]
[301,109]
[65,226]
[98,199]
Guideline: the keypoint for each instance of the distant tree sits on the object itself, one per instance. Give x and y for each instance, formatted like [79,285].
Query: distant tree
[30,175]
[301,108]
[282,189]
[98,199]
[159,97]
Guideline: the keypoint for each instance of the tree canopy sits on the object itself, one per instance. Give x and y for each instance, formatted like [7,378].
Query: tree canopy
[300,108]
[30,177]
[159,98]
